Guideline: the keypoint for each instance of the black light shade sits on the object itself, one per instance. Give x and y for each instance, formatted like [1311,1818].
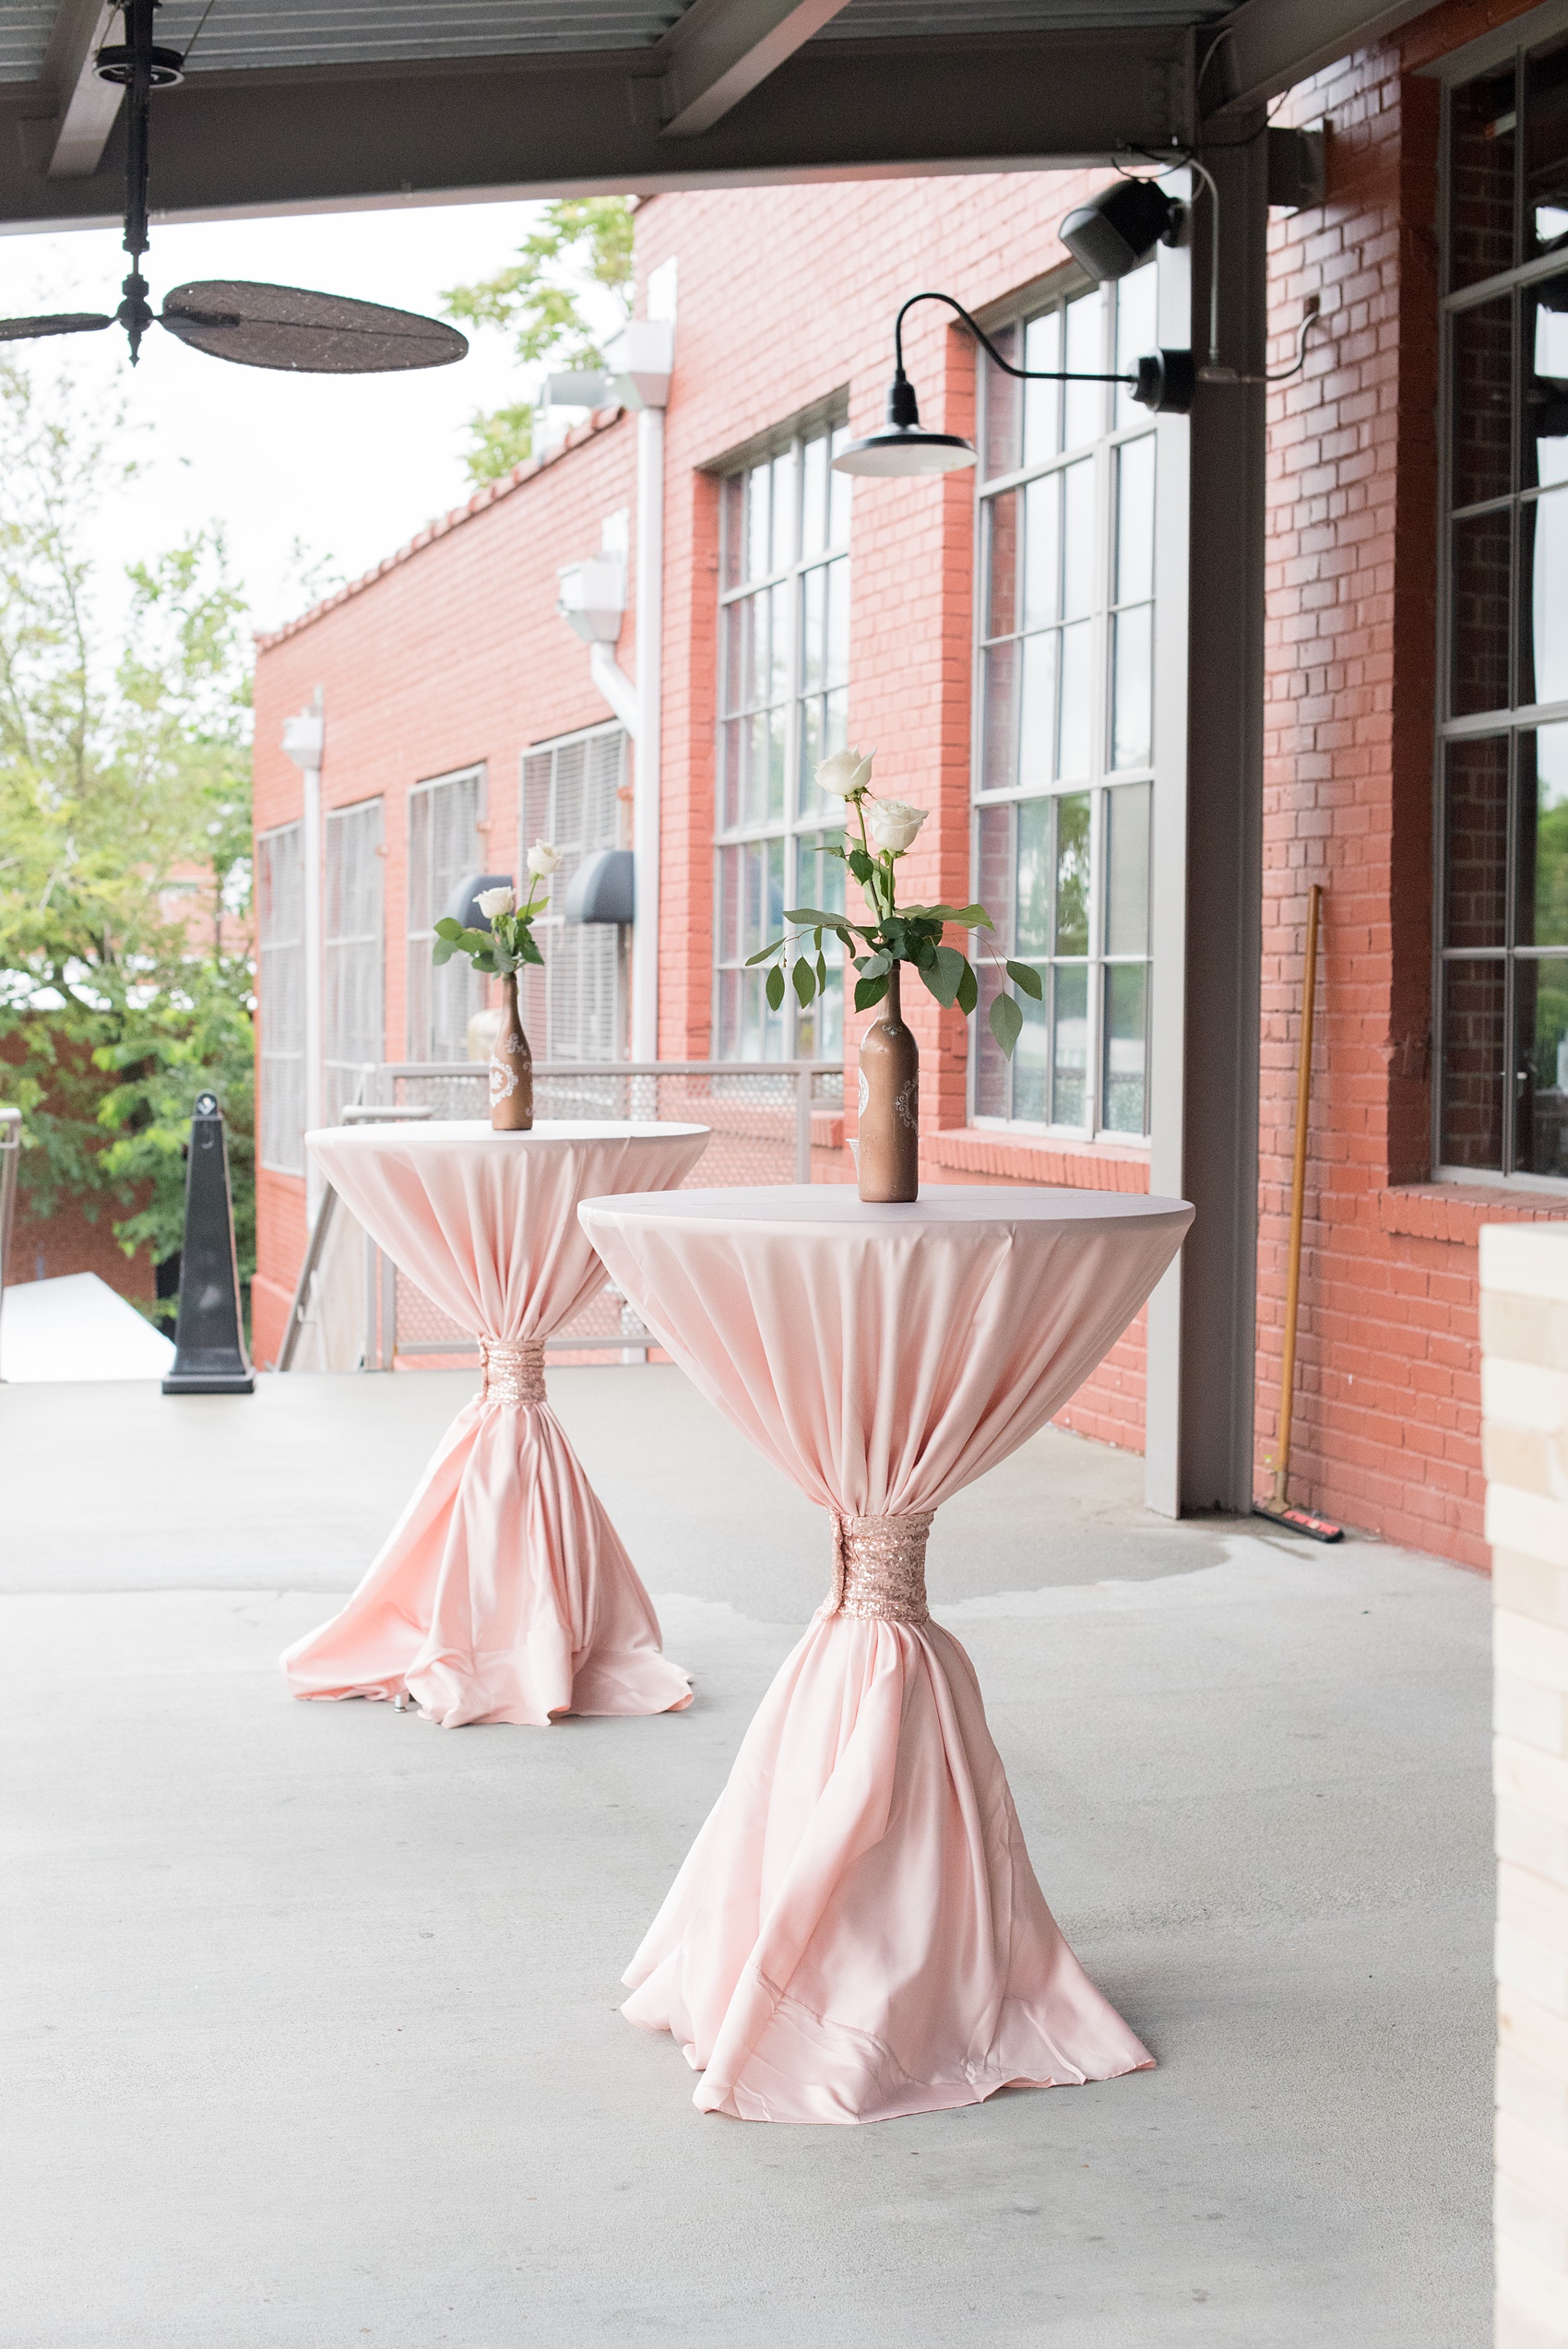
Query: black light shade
[904,447]
[1119,227]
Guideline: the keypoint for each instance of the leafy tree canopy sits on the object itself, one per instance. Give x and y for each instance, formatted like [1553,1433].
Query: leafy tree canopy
[574,267]
[125,835]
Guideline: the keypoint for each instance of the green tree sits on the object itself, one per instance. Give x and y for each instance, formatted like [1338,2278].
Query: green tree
[125,833]
[582,244]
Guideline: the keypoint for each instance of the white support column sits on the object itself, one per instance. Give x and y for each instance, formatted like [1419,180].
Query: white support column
[650,699]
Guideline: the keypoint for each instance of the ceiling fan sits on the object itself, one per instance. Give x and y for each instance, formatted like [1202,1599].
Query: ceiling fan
[255,325]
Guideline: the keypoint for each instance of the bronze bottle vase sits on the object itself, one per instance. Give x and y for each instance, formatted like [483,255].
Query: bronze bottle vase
[890,1104]
[511,1067]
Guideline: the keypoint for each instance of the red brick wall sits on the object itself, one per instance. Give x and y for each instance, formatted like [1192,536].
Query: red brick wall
[1387,1426]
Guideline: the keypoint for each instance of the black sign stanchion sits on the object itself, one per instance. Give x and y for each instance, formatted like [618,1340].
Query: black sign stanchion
[209,1338]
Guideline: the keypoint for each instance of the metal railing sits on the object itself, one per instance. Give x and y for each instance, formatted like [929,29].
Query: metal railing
[760,1115]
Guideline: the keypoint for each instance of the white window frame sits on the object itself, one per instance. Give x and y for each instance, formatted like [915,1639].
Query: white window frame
[1101,779]
[281,1124]
[350,955]
[789,1030]
[458,974]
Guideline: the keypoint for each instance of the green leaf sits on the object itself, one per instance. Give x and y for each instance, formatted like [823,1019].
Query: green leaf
[860,865]
[527,949]
[775,988]
[812,916]
[870,992]
[822,972]
[945,975]
[443,950]
[447,927]
[488,964]
[1006,1023]
[961,917]
[969,991]
[1025,976]
[806,981]
[752,960]
[876,965]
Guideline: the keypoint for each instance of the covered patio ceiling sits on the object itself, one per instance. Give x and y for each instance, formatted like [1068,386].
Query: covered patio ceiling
[306,104]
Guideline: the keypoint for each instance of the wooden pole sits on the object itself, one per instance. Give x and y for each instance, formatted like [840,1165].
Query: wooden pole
[1298,1201]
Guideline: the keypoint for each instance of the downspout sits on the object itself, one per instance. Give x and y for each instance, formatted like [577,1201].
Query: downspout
[302,740]
[647,731]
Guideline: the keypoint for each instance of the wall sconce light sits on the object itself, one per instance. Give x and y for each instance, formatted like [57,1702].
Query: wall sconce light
[1163,381]
[593,597]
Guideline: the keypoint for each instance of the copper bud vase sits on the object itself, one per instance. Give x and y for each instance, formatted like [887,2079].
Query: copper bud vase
[511,1068]
[890,1104]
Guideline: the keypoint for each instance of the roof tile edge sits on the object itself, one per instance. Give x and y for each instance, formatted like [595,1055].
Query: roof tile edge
[599,421]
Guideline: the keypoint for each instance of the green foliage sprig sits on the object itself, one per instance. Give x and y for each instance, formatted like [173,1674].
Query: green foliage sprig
[895,933]
[509,942]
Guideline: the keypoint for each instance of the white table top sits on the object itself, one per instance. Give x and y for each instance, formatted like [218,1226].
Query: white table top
[415,1133]
[839,1207]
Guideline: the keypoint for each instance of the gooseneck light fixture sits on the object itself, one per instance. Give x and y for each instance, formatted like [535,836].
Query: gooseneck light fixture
[1163,381]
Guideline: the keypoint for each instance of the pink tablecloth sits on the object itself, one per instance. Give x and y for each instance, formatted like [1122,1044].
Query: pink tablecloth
[502,1593]
[857,1931]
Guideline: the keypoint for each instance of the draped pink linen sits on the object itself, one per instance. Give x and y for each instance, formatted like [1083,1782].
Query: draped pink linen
[502,1593]
[857,1932]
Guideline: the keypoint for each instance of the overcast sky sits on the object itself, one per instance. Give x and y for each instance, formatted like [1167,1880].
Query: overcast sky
[353,465]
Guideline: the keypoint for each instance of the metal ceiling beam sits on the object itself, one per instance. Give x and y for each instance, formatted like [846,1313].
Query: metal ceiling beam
[86,107]
[1264,46]
[718,52]
[344,137]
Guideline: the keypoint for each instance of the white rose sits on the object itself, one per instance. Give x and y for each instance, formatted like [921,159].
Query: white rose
[846,774]
[543,858]
[492,902]
[893,823]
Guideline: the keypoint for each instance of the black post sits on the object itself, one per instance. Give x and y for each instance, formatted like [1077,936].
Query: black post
[209,1341]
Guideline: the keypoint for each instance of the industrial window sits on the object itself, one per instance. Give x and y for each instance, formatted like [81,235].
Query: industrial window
[783,707]
[1064,782]
[446,845]
[353,950]
[280,920]
[1502,918]
[574,1008]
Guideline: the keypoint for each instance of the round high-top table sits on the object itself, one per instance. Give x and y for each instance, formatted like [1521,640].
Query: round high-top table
[857,1932]
[502,1593]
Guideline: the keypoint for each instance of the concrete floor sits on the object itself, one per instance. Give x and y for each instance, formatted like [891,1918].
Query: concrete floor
[1254,1777]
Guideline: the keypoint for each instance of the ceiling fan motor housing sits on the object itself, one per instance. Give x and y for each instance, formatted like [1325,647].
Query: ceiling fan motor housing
[118,64]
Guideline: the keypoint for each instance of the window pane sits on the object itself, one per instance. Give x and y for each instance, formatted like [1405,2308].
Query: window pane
[1476,822]
[775,764]
[1003,408]
[813,752]
[1004,518]
[757,522]
[1546,148]
[1031,1054]
[778,667]
[784,510]
[1134,666]
[1031,930]
[1543,599]
[1543,906]
[1000,716]
[1483,392]
[1042,402]
[1042,551]
[1472,1064]
[1073,874]
[1077,654]
[838,488]
[1481,218]
[1125,1050]
[814,628]
[1070,1056]
[1545,456]
[1036,722]
[1134,520]
[837,648]
[732,523]
[813,496]
[1084,406]
[1077,540]
[1137,331]
[1541,1011]
[1480,613]
[993,859]
[1127,857]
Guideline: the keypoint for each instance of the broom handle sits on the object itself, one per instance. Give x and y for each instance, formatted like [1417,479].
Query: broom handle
[1298,1199]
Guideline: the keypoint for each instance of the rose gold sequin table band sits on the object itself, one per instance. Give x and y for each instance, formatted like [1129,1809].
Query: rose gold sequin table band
[879,1566]
[512,1373]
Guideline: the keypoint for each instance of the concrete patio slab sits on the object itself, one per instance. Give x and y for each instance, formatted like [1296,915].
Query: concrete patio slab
[312,2007]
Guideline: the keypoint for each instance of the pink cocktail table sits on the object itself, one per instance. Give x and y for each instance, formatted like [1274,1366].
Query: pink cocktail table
[502,1593]
[857,1932]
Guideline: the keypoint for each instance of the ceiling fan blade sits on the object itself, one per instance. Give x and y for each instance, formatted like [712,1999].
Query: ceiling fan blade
[315,334]
[61,322]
